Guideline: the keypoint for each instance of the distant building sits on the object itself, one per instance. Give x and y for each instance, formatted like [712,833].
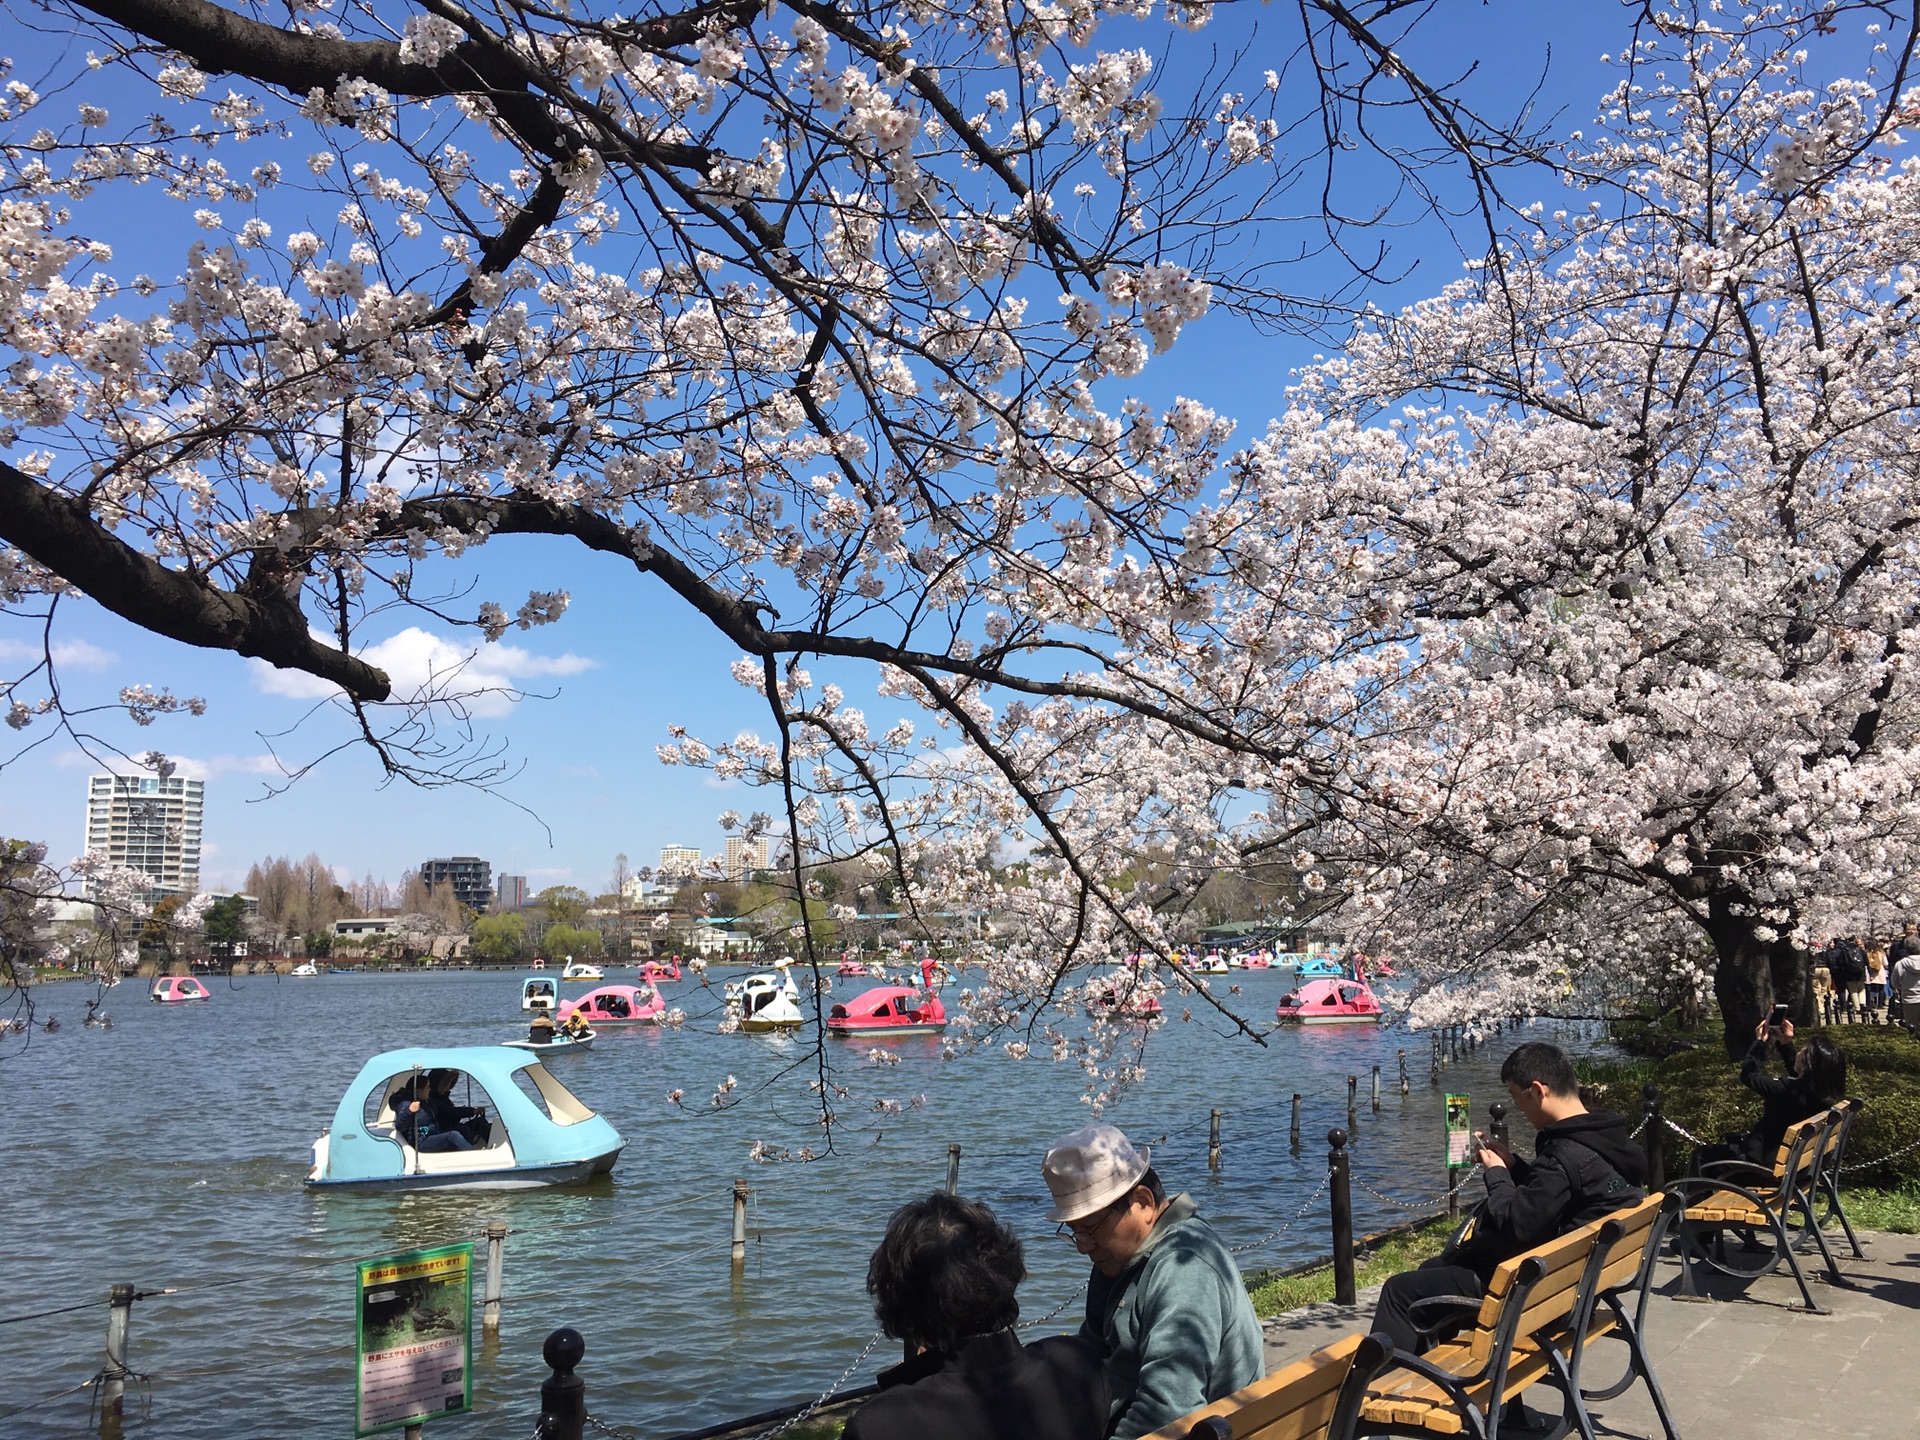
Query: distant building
[470,877]
[745,856]
[249,904]
[512,891]
[364,928]
[677,862]
[151,824]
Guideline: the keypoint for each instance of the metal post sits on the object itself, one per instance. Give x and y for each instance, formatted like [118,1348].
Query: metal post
[563,1398]
[739,1223]
[1213,1144]
[496,1240]
[1650,1138]
[1353,1097]
[113,1379]
[1376,1089]
[1433,1067]
[1497,1123]
[1342,1200]
[1403,1072]
[1293,1131]
[953,1169]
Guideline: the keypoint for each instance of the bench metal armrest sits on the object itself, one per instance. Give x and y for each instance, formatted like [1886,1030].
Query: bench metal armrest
[1434,1311]
[1720,1167]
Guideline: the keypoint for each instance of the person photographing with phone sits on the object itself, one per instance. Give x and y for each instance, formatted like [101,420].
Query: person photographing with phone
[1585,1164]
[1816,1078]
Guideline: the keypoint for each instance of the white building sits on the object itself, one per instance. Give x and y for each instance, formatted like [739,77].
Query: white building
[150,824]
[745,856]
[677,862]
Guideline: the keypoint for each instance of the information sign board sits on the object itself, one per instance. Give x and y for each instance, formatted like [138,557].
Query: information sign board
[1459,1133]
[415,1333]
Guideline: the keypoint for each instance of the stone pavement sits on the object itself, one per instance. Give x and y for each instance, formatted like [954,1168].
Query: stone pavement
[1751,1361]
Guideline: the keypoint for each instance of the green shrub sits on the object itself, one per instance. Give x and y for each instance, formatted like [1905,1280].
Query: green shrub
[1700,1091]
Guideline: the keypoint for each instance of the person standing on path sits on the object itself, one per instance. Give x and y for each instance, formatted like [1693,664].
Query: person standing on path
[1906,984]
[1166,1304]
[1876,982]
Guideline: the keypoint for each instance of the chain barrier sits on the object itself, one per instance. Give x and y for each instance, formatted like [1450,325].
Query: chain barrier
[1682,1132]
[1029,1324]
[1423,1204]
[1880,1159]
[1639,1129]
[621,1432]
[1326,1180]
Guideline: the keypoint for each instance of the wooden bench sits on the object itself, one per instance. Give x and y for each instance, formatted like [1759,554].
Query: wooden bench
[1533,1324]
[1717,1203]
[1317,1398]
[1833,1155]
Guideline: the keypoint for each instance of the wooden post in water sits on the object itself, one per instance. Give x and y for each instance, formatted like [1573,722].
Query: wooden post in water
[1376,1089]
[1341,1196]
[1353,1097]
[490,1310]
[1213,1144]
[113,1378]
[1293,1131]
[563,1397]
[739,1224]
[1403,1072]
[953,1169]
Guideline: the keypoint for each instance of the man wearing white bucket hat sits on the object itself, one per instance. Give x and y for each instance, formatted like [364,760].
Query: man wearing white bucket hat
[1165,1302]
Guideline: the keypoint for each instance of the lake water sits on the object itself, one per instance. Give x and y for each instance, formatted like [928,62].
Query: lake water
[169,1152]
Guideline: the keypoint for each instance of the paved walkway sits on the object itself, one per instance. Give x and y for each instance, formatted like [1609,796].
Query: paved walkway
[1752,1361]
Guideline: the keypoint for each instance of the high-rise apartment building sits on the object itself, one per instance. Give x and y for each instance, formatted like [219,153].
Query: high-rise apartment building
[512,891]
[745,856]
[469,875]
[677,862]
[152,824]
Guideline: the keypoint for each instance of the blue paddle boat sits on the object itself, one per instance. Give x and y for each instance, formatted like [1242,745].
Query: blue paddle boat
[1312,967]
[535,1132]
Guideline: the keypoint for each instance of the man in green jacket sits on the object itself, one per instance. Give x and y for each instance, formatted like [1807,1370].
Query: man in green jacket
[1165,1303]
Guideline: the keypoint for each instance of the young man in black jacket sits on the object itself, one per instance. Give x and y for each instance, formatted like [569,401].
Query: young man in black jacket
[1585,1164]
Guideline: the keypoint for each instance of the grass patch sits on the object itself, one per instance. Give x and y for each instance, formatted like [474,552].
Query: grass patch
[1700,1091]
[1274,1294]
[1895,1212]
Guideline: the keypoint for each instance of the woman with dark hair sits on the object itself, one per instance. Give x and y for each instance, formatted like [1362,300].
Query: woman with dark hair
[1816,1078]
[943,1282]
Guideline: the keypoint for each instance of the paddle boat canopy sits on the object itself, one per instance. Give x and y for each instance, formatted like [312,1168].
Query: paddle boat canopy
[889,1010]
[178,990]
[767,1001]
[617,1005]
[580,970]
[538,992]
[1329,1002]
[540,1134]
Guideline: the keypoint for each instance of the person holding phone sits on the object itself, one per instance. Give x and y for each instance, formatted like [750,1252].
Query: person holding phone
[1816,1078]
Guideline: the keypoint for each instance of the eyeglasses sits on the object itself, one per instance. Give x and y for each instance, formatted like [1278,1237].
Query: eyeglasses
[1077,1231]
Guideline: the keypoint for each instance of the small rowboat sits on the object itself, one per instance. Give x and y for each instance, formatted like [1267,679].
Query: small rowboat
[559,1045]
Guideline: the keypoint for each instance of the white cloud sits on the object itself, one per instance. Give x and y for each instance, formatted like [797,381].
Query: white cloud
[68,654]
[421,663]
[186,767]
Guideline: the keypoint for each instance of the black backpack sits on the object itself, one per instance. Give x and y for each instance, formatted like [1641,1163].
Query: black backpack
[1847,964]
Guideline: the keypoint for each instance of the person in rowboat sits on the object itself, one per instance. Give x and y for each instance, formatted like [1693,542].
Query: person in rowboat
[576,1027]
[540,1032]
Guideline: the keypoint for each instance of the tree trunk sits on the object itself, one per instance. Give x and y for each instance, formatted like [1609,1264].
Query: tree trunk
[1750,974]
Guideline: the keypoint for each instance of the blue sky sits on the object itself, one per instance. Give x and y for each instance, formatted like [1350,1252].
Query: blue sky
[628,660]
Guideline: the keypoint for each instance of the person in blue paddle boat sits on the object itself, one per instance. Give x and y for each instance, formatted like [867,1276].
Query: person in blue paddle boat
[413,1120]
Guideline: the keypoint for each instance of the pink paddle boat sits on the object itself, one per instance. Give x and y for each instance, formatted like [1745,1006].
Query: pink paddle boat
[1330,1002]
[616,1005]
[891,1010]
[177,990]
[1136,1005]
[852,969]
[652,972]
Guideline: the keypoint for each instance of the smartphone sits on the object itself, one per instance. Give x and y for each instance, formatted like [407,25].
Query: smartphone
[1779,1015]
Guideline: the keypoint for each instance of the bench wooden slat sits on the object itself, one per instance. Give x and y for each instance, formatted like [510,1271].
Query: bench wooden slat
[1294,1403]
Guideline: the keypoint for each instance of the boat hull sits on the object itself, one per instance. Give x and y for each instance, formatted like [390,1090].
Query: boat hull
[555,1046]
[519,1177]
[852,1032]
[1330,1019]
